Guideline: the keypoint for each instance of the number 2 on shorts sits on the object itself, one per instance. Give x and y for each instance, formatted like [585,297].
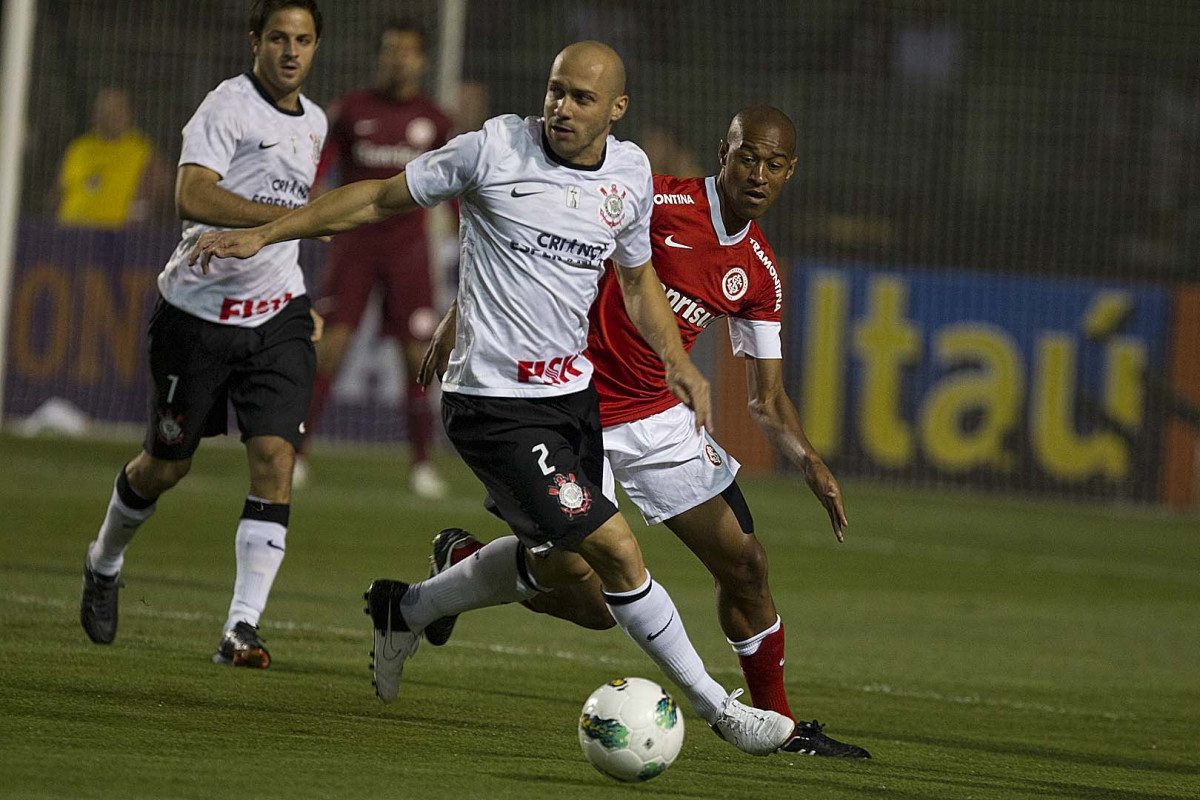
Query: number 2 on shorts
[547,469]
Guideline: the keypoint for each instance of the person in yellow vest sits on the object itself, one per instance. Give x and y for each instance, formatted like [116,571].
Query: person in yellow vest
[109,173]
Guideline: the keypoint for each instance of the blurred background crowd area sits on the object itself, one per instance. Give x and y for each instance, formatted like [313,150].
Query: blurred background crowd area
[989,247]
[1015,135]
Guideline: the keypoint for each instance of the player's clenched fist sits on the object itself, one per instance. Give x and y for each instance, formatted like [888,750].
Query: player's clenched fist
[225,244]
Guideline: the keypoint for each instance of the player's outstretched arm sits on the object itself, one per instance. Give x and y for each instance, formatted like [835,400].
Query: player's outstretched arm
[776,417]
[648,309]
[437,355]
[343,209]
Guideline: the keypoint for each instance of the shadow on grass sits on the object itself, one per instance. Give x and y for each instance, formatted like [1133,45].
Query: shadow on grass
[885,776]
[1051,754]
[589,786]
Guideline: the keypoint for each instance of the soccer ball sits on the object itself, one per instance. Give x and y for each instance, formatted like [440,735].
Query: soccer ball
[631,729]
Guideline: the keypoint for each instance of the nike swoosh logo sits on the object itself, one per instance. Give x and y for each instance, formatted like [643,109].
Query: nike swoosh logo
[390,651]
[670,242]
[654,636]
[271,543]
[264,145]
[515,193]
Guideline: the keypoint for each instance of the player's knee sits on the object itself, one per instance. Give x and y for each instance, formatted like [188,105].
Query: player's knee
[150,477]
[618,564]
[271,458]
[615,548]
[746,571]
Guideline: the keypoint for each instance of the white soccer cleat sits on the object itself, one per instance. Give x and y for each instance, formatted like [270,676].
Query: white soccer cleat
[394,642]
[426,483]
[756,731]
[301,475]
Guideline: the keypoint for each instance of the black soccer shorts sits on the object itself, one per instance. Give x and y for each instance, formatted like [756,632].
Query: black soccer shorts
[199,367]
[541,460]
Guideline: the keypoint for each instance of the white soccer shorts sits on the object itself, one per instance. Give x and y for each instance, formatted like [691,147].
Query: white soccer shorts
[664,465]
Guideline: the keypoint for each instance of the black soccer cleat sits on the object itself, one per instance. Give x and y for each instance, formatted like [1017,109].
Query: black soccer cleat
[808,740]
[444,544]
[98,604]
[241,647]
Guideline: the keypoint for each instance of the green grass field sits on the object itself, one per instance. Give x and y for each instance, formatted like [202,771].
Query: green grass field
[980,647]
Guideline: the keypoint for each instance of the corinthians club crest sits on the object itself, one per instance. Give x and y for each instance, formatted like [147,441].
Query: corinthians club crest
[573,499]
[169,428]
[612,208]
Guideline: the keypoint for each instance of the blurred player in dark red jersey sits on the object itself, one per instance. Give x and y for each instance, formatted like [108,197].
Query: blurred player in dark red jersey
[374,133]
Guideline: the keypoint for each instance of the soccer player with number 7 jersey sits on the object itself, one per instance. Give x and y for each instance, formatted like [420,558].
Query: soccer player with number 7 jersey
[241,336]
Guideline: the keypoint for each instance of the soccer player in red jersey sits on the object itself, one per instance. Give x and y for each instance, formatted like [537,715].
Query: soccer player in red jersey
[374,133]
[713,261]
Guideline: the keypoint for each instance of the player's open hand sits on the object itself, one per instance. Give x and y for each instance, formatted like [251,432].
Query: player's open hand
[826,488]
[225,244]
[437,355]
[686,383]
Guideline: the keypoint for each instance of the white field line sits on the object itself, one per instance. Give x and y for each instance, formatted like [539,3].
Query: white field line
[568,655]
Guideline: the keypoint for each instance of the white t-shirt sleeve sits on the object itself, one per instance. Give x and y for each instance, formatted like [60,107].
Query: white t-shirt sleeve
[755,338]
[449,171]
[633,241]
[211,136]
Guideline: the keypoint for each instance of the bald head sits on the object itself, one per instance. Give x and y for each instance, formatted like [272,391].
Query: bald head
[599,61]
[757,158]
[585,95]
[758,122]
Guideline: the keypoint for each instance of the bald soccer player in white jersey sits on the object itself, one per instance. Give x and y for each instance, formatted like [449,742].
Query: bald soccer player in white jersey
[243,334]
[543,203]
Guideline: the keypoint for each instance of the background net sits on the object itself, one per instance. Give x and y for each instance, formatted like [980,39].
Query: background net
[989,246]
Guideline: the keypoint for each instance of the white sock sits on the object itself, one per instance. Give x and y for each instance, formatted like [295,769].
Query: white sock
[649,617]
[749,646]
[260,546]
[106,555]
[493,575]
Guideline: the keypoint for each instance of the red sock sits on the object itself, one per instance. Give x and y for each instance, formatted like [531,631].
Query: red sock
[420,421]
[316,408]
[764,673]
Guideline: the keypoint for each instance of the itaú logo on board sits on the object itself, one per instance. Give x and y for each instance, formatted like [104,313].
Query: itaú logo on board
[1047,381]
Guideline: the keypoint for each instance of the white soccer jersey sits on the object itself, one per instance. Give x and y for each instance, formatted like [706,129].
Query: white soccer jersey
[535,233]
[262,153]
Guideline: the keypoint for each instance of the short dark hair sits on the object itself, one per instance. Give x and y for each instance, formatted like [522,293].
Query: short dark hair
[406,25]
[262,10]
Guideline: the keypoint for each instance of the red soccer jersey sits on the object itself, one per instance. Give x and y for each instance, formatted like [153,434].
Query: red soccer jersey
[707,273]
[373,136]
